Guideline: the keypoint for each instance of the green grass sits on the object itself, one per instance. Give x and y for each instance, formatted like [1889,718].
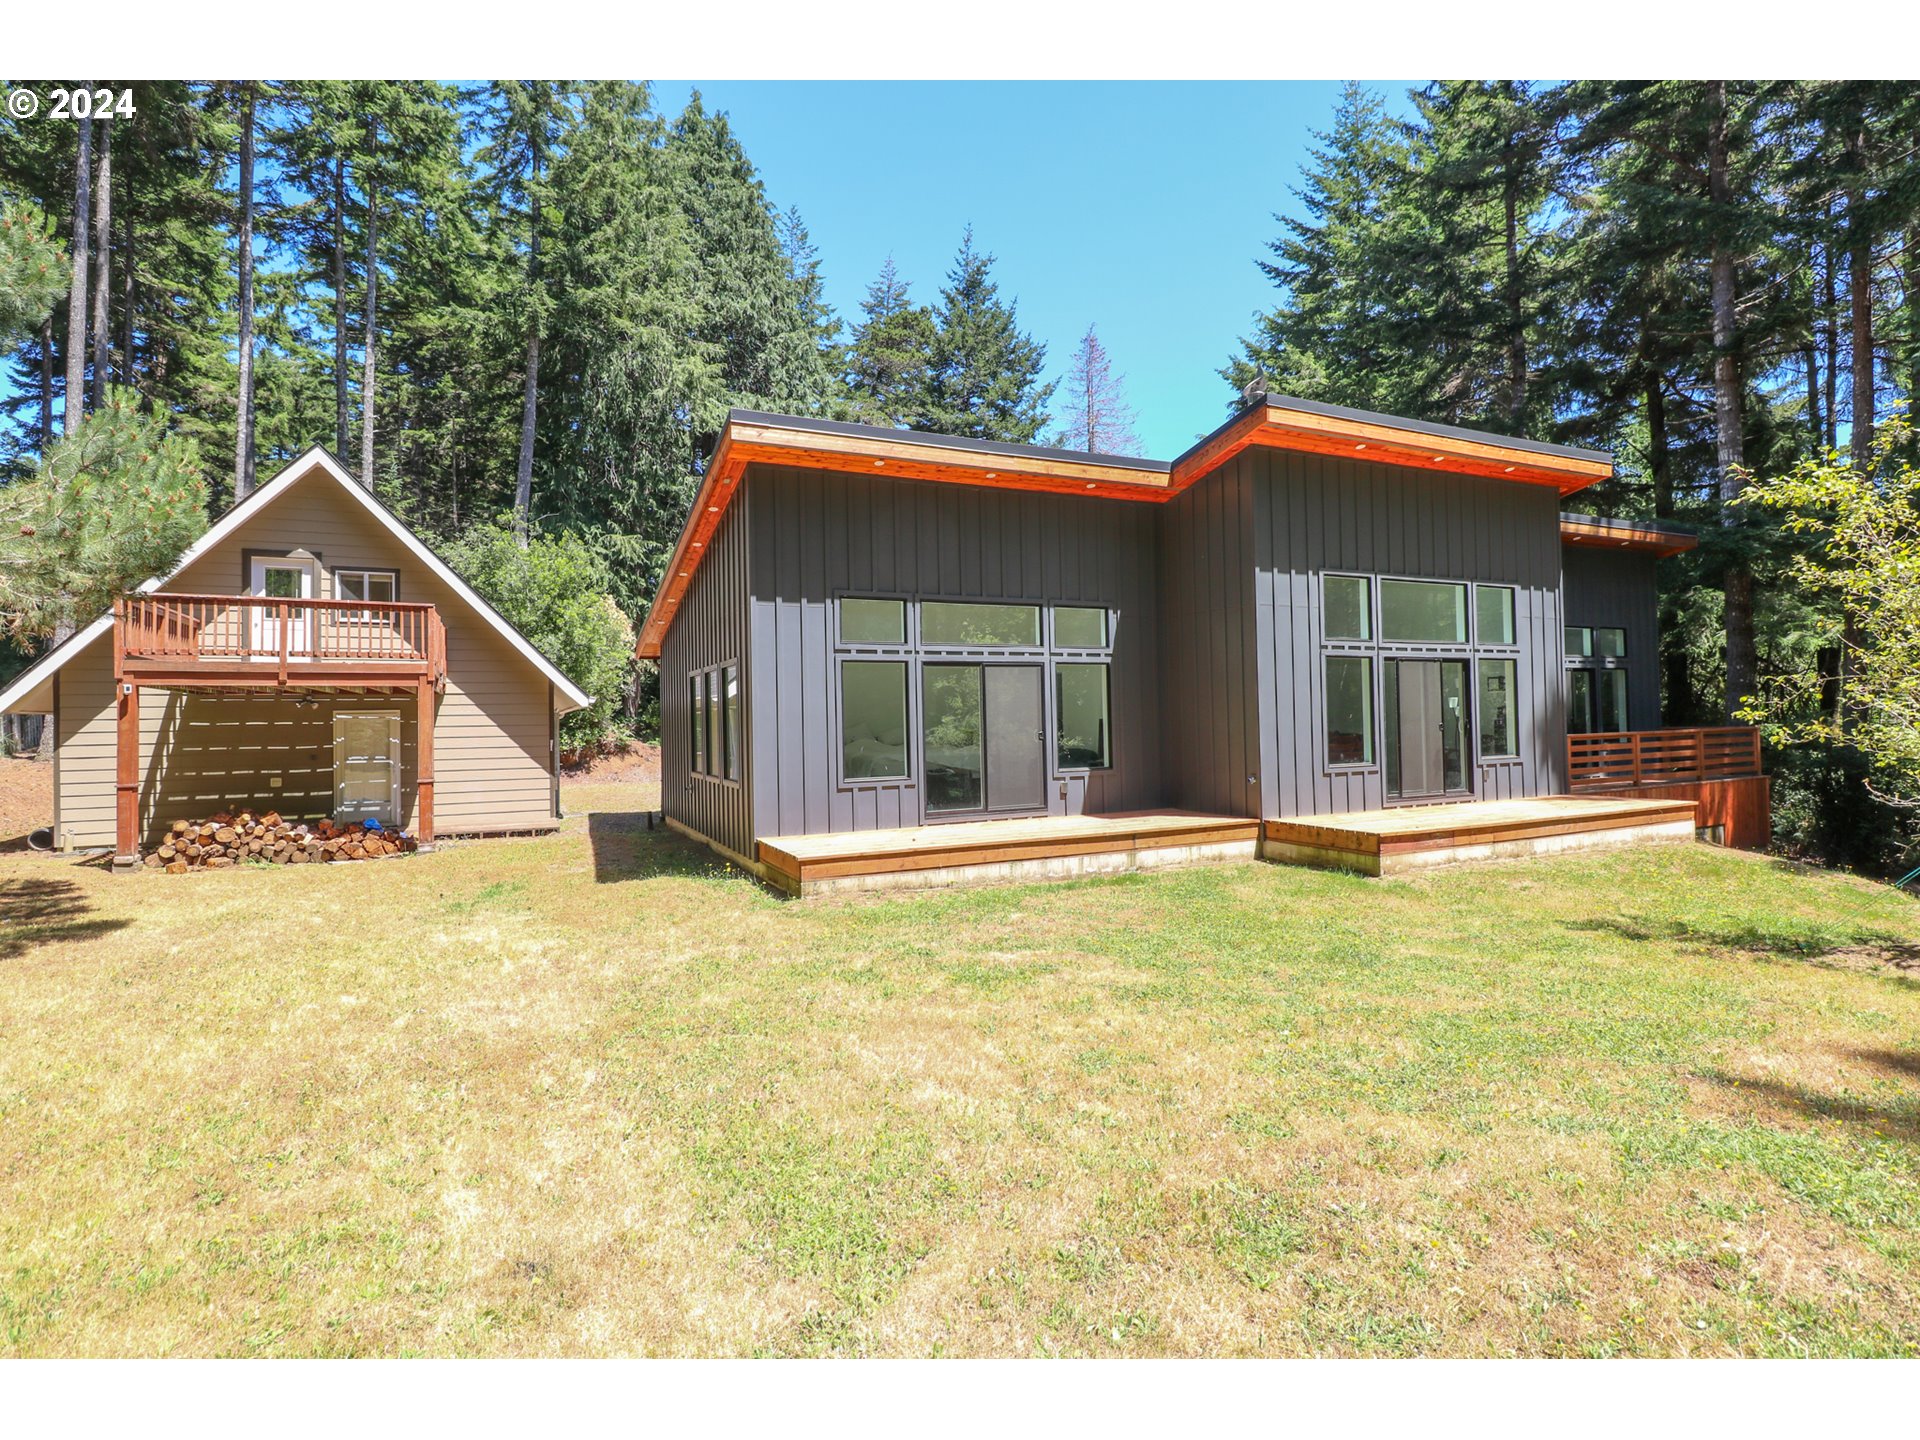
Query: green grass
[599,1094]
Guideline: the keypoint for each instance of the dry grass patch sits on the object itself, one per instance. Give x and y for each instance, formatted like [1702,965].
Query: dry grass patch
[596,1094]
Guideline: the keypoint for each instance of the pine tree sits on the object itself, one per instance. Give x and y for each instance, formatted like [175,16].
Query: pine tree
[1094,412]
[1337,333]
[885,369]
[524,124]
[753,322]
[983,381]
[31,270]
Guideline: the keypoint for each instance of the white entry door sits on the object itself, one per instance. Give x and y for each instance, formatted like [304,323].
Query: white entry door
[366,766]
[282,580]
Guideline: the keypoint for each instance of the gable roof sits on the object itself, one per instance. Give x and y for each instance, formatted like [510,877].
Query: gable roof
[317,460]
[1278,422]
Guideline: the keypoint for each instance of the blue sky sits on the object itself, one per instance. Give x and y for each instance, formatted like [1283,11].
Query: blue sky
[1140,208]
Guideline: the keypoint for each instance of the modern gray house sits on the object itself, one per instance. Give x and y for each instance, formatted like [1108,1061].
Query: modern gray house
[877,647]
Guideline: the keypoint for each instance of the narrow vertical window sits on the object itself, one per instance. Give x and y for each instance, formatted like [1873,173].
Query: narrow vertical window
[713,722]
[1499,739]
[1612,698]
[1349,710]
[1085,730]
[730,714]
[697,709]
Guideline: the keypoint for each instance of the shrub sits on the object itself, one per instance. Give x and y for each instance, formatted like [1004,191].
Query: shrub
[555,593]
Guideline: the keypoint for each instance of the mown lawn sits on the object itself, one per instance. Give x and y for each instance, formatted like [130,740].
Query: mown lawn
[595,1094]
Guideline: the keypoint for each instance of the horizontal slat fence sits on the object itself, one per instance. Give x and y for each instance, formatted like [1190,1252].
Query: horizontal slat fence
[1652,757]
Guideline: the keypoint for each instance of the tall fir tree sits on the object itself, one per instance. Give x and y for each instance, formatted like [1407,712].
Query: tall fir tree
[1094,414]
[885,367]
[983,381]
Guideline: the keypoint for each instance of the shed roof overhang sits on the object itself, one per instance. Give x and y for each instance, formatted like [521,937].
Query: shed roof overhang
[1596,533]
[1274,421]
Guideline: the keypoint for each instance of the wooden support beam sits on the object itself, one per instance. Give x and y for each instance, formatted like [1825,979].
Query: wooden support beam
[423,762]
[126,853]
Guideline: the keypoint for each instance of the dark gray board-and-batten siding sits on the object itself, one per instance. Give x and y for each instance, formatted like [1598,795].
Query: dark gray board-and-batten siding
[1312,514]
[819,535]
[1621,588]
[711,629]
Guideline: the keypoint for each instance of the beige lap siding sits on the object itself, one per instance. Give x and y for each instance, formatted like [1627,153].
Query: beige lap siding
[491,731]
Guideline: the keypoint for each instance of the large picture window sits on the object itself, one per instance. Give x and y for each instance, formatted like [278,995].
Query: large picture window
[1349,710]
[1423,612]
[1085,734]
[873,719]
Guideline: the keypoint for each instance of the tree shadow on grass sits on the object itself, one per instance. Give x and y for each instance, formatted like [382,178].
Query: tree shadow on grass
[1899,1119]
[1811,944]
[44,911]
[625,849]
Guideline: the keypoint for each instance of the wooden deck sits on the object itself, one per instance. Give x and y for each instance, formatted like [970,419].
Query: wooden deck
[1048,846]
[1383,842]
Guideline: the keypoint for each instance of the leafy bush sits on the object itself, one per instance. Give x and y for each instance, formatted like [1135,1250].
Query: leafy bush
[555,593]
[1823,810]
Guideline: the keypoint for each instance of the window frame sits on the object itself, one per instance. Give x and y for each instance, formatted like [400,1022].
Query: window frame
[710,728]
[1371,691]
[1105,666]
[1480,642]
[1370,609]
[731,714]
[1435,647]
[916,635]
[909,679]
[1479,710]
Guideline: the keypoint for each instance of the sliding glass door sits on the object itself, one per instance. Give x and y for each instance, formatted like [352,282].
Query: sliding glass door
[984,738]
[1426,728]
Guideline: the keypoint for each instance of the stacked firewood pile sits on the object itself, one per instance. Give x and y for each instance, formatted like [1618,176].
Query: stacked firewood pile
[227,839]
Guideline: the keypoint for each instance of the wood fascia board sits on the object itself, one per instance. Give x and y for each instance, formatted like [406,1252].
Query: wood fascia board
[1615,537]
[1305,431]
[745,443]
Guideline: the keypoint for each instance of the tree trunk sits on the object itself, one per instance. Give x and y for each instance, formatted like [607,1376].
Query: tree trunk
[74,405]
[102,260]
[1860,303]
[1742,662]
[367,340]
[1659,459]
[523,475]
[243,433]
[46,382]
[1831,305]
[128,370]
[1516,325]
[341,411]
[523,479]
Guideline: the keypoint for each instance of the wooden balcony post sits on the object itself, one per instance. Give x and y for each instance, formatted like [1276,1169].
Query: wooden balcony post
[423,761]
[126,852]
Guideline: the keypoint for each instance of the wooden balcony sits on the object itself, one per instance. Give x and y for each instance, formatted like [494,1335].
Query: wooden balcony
[1612,760]
[223,641]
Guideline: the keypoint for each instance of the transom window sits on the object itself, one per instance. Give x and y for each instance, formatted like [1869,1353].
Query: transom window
[1423,612]
[1347,607]
[1596,642]
[1493,614]
[972,625]
[873,622]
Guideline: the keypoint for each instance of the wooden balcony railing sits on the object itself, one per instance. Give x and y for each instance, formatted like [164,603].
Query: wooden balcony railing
[1616,758]
[239,636]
